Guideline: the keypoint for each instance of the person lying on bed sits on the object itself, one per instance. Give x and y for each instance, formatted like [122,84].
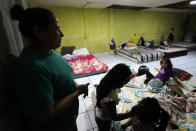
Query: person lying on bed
[162,77]
[168,43]
[107,96]
[147,115]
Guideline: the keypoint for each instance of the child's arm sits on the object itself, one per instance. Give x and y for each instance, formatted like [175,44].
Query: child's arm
[128,123]
[176,80]
[116,117]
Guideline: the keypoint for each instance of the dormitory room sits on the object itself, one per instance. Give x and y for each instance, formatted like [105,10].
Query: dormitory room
[98,65]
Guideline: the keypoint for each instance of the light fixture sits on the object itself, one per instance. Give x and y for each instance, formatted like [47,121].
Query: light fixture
[193,2]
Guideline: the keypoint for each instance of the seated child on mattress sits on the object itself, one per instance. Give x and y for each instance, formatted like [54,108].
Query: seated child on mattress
[107,96]
[164,74]
[147,115]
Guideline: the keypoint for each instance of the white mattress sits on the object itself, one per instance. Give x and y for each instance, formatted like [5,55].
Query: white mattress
[175,49]
[184,44]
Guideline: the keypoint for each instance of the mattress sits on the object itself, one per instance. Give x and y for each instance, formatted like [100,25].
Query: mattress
[87,65]
[136,93]
[137,90]
[140,54]
[174,52]
[185,45]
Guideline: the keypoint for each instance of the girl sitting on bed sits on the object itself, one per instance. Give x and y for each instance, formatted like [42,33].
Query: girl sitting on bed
[164,74]
[147,115]
[107,96]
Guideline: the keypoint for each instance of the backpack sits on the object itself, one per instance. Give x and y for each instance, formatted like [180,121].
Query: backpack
[112,44]
[141,41]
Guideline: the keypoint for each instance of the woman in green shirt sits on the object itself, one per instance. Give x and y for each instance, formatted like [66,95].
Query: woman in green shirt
[44,84]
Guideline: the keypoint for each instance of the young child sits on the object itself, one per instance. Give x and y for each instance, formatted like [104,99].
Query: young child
[107,96]
[164,74]
[147,115]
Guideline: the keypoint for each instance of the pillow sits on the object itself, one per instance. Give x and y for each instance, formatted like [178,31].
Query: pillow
[122,45]
[81,51]
[181,74]
[131,45]
[67,50]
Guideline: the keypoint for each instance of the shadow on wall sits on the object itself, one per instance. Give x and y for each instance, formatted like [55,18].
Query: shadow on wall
[10,116]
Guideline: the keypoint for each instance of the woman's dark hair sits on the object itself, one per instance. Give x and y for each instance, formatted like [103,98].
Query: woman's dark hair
[30,17]
[149,112]
[168,61]
[114,79]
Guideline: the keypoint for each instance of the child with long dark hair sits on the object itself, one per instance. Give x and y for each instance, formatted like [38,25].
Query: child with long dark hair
[147,115]
[107,96]
[157,83]
[164,74]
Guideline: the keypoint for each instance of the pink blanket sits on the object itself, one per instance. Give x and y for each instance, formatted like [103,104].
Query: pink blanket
[86,64]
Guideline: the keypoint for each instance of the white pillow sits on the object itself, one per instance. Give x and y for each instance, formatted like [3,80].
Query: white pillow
[82,51]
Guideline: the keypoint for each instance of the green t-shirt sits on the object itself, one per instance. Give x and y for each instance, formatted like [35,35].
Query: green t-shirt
[40,80]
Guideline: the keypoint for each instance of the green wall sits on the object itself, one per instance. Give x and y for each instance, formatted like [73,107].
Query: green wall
[192,24]
[93,28]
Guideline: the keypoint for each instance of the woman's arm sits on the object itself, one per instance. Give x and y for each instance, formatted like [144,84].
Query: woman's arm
[116,117]
[59,106]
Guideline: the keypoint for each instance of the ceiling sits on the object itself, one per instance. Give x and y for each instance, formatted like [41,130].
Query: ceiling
[119,4]
[180,5]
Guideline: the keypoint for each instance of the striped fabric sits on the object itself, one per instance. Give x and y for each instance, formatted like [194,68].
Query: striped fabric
[142,54]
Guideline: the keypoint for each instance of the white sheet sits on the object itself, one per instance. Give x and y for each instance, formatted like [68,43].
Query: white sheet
[184,44]
[175,49]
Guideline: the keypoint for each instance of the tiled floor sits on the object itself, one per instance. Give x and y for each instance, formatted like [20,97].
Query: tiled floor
[86,121]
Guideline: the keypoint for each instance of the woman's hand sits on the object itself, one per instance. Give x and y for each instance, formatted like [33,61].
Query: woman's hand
[83,89]
[60,105]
